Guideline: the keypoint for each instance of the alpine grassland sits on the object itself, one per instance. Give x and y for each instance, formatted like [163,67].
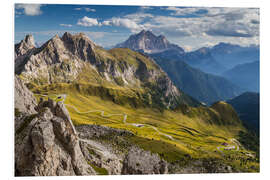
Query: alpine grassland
[182,135]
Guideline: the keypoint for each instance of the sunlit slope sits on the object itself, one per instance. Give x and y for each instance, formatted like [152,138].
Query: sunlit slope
[185,132]
[75,59]
[202,122]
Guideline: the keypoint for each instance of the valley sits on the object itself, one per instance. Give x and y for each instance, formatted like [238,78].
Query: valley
[187,134]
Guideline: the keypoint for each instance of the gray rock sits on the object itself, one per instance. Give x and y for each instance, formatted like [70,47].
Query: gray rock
[24,46]
[24,99]
[47,145]
[139,161]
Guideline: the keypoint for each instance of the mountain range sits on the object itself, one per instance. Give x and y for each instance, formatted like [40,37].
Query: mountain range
[187,69]
[75,58]
[214,60]
[205,87]
[245,75]
[201,59]
[84,110]
[230,55]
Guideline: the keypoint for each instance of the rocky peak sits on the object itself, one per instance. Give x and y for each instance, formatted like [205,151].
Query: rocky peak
[148,42]
[79,45]
[29,40]
[25,45]
[68,37]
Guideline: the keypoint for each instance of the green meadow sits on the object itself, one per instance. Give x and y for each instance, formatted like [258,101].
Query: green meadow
[184,134]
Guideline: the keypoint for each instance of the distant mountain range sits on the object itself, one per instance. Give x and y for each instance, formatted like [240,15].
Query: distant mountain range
[205,87]
[247,105]
[201,59]
[193,72]
[230,55]
[245,75]
[215,60]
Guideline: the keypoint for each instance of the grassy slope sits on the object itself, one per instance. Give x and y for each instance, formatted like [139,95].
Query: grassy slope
[195,131]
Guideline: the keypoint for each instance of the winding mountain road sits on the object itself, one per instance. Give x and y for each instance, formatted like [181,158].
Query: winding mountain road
[100,148]
[109,115]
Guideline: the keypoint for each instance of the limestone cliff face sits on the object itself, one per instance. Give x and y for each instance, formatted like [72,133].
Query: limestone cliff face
[46,145]
[24,99]
[45,141]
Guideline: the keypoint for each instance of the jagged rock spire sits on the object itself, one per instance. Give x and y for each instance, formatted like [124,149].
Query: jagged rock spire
[25,45]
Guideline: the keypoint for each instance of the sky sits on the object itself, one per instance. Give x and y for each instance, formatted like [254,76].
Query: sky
[188,27]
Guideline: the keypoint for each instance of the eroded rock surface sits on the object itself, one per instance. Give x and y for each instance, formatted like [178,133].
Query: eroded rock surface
[47,146]
[24,99]
[138,161]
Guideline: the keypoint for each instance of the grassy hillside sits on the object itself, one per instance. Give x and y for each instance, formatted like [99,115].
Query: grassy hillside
[187,133]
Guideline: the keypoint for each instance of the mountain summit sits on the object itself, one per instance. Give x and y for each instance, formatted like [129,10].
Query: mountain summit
[148,42]
[25,45]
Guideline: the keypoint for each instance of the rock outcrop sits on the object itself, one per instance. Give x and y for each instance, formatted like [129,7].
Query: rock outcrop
[138,161]
[110,148]
[47,145]
[45,141]
[24,99]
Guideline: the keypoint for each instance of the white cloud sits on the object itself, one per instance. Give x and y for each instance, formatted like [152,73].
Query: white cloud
[87,22]
[30,9]
[138,17]
[85,9]
[123,22]
[90,10]
[180,11]
[66,25]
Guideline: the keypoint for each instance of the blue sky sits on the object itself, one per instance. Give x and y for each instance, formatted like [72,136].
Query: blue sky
[189,27]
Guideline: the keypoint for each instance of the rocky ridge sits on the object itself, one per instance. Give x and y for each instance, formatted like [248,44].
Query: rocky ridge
[75,58]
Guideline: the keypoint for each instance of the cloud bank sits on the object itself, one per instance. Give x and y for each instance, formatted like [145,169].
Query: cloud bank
[30,9]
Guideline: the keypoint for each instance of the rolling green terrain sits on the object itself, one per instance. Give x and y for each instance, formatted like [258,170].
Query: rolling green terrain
[184,134]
